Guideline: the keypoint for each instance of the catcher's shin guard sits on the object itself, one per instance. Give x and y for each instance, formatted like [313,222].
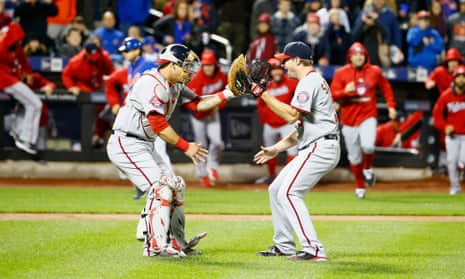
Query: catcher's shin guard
[141,231]
[159,207]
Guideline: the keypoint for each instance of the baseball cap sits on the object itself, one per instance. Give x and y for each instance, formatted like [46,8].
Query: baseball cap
[460,70]
[91,47]
[423,14]
[266,18]
[295,49]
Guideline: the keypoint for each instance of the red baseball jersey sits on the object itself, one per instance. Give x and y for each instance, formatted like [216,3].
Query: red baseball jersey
[204,85]
[450,110]
[360,104]
[87,75]
[116,87]
[13,60]
[385,133]
[283,91]
[441,76]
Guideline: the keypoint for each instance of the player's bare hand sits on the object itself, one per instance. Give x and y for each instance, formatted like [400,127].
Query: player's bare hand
[392,113]
[449,130]
[265,154]
[430,84]
[350,87]
[196,153]
[74,90]
[47,90]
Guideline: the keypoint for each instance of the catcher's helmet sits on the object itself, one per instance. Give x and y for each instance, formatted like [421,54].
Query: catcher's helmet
[181,55]
[130,43]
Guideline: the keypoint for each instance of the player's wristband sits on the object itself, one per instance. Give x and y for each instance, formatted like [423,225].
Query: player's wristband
[182,144]
[225,95]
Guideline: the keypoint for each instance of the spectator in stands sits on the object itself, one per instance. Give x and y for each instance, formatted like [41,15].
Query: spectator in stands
[79,24]
[234,18]
[382,16]
[339,40]
[84,73]
[34,47]
[207,125]
[448,116]
[449,7]
[274,127]
[73,43]
[174,28]
[151,49]
[134,32]
[283,24]
[33,16]
[335,5]
[456,29]
[133,13]
[355,86]
[204,16]
[14,68]
[309,6]
[438,20]
[263,46]
[109,35]
[5,17]
[259,7]
[425,43]
[58,25]
[312,34]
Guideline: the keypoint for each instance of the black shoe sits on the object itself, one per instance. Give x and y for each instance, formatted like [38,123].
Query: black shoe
[369,177]
[191,252]
[273,251]
[139,194]
[304,256]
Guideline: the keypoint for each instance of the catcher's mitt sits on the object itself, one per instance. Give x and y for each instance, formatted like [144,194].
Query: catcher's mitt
[260,74]
[238,79]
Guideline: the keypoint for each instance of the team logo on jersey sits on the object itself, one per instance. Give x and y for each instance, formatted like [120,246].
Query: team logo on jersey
[155,102]
[302,97]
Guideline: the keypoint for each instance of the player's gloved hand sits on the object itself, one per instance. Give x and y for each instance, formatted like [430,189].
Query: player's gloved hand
[260,74]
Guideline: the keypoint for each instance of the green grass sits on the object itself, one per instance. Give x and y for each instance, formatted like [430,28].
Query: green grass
[107,249]
[108,200]
[91,249]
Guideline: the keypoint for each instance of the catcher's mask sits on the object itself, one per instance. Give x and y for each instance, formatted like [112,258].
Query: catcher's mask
[182,56]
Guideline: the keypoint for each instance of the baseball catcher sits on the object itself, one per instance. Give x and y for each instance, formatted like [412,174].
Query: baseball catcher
[245,80]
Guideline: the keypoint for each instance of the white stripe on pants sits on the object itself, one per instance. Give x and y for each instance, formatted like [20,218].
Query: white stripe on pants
[26,125]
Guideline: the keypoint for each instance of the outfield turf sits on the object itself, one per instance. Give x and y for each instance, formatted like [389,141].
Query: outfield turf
[108,249]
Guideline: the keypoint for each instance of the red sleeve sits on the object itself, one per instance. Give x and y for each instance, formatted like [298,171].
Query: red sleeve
[386,90]
[438,111]
[38,81]
[157,122]
[108,64]
[66,75]
[338,85]
[115,85]
[432,76]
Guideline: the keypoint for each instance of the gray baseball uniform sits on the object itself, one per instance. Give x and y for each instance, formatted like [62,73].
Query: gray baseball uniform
[319,153]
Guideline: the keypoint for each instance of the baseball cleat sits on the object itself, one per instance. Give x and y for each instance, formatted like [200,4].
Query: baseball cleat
[273,251]
[454,191]
[168,252]
[26,147]
[205,181]
[195,240]
[139,194]
[304,256]
[360,193]
[191,252]
[369,177]
[213,176]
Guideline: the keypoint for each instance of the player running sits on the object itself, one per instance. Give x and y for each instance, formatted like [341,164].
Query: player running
[142,119]
[354,88]
[317,138]
[448,116]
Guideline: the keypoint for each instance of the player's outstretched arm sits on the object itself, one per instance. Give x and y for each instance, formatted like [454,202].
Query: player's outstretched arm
[267,153]
[192,150]
[212,101]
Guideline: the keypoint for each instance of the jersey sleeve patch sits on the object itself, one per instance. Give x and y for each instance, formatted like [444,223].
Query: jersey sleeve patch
[302,97]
